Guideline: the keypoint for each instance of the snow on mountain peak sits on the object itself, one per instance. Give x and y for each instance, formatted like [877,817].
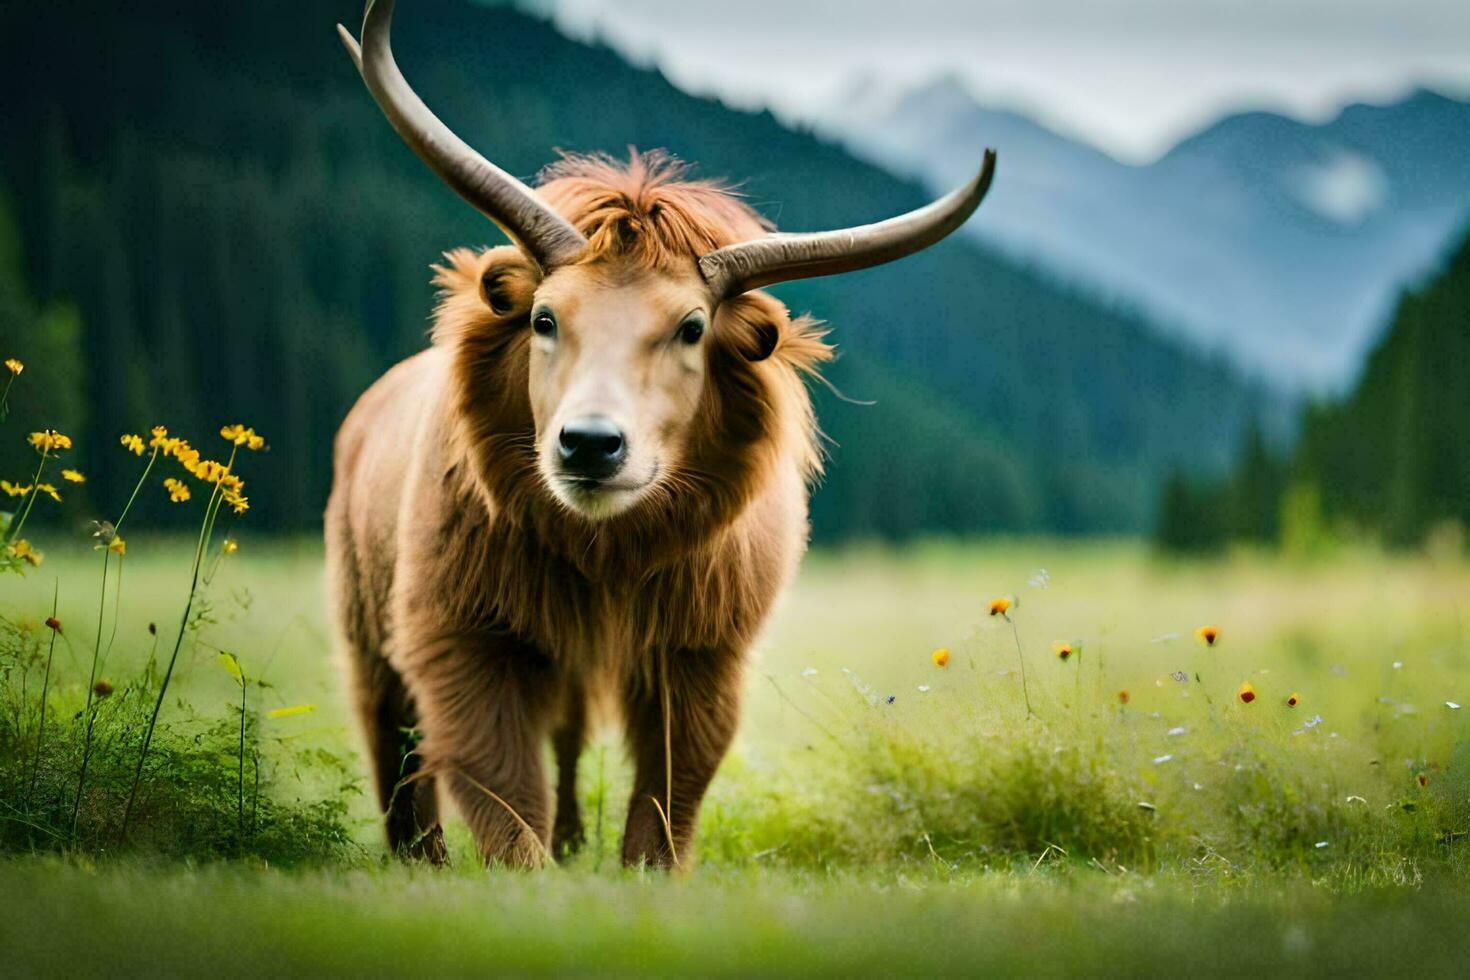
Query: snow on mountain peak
[1346,188]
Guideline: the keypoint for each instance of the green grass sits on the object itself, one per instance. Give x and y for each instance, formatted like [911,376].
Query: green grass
[943,830]
[120,920]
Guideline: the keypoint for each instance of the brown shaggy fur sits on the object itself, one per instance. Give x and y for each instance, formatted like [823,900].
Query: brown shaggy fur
[481,615]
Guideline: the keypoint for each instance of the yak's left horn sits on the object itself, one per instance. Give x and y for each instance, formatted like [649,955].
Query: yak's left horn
[779,257]
[545,235]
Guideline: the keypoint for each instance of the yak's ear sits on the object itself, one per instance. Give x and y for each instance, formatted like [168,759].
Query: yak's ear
[757,321]
[507,281]
[478,290]
[498,279]
[768,335]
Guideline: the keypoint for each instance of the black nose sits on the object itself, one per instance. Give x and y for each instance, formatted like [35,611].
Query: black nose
[592,447]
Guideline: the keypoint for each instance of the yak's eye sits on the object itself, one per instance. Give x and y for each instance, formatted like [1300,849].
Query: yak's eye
[691,329]
[544,323]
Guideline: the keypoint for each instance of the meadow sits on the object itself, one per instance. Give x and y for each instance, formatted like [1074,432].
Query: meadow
[880,812]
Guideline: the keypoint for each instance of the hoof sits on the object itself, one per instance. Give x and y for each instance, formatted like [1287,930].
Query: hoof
[567,839]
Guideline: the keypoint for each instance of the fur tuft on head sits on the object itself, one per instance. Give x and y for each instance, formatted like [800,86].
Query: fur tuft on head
[647,211]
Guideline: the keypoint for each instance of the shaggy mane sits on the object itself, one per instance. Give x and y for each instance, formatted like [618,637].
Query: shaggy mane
[647,211]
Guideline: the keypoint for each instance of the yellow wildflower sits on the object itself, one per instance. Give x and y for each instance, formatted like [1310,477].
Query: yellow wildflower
[73,476]
[940,657]
[238,502]
[117,546]
[49,441]
[1207,635]
[1063,650]
[14,366]
[186,454]
[22,549]
[133,444]
[208,470]
[49,491]
[230,546]
[14,489]
[164,443]
[178,491]
[242,436]
[1122,697]
[1294,700]
[999,605]
[1246,692]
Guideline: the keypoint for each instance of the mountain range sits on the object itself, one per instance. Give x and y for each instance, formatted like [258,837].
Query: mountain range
[236,234]
[1283,244]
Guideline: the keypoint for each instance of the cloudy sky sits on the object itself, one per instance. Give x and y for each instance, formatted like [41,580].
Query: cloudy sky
[1131,76]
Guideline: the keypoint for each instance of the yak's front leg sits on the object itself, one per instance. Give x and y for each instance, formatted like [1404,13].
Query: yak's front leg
[703,696]
[567,833]
[486,701]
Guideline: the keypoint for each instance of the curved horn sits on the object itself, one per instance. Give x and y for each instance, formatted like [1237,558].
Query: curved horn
[779,257]
[545,235]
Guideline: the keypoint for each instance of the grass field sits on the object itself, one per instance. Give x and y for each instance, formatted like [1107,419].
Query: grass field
[880,813]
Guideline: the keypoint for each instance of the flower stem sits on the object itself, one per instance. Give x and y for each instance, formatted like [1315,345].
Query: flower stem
[97,646]
[1025,692]
[206,528]
[116,606]
[45,687]
[240,790]
[136,487]
[31,500]
[91,717]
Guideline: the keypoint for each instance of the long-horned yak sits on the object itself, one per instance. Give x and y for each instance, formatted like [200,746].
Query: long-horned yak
[588,491]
